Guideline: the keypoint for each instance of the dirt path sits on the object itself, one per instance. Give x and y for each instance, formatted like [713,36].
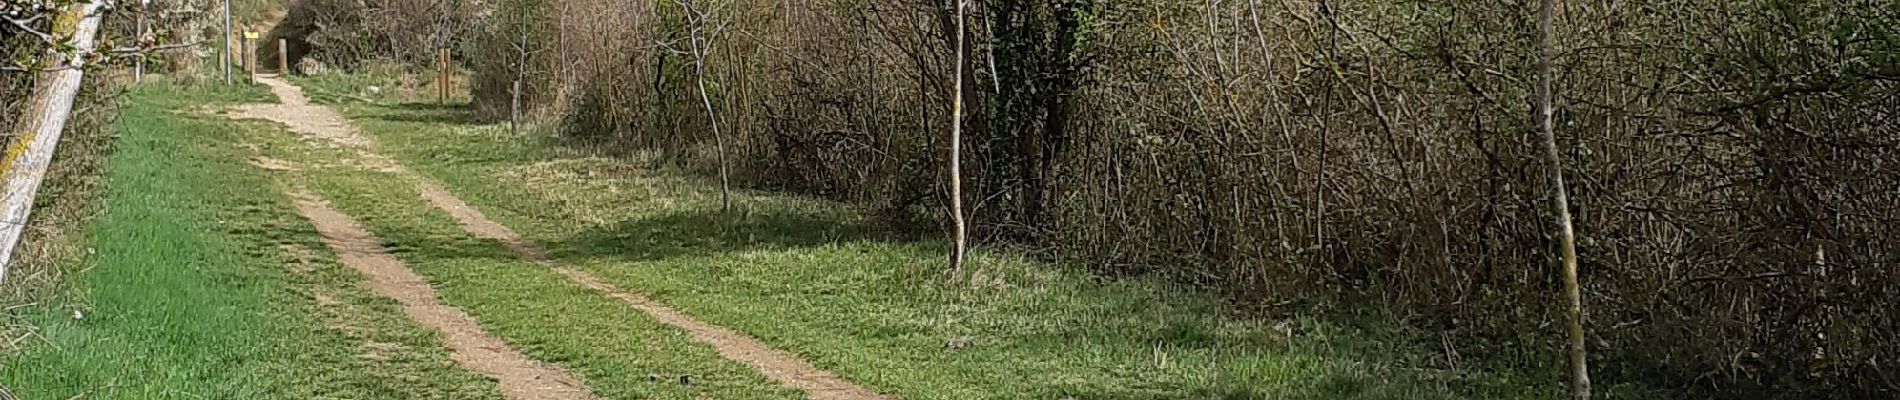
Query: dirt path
[315,121]
[321,122]
[520,377]
[786,368]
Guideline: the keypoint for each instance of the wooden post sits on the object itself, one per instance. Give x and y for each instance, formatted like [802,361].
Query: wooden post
[283,58]
[46,114]
[442,77]
[228,37]
[250,56]
[138,66]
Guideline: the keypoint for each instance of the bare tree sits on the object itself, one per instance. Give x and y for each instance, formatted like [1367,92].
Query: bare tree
[1325,126]
[956,152]
[701,28]
[522,52]
[1573,295]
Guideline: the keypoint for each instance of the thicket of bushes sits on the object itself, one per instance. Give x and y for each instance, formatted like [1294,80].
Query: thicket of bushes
[1735,163]
[351,33]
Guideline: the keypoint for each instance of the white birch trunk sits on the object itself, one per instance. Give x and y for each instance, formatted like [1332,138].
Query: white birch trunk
[27,158]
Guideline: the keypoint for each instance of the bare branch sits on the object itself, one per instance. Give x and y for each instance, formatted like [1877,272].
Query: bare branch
[131,51]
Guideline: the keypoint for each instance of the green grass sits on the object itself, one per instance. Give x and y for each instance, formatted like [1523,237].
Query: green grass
[618,351]
[203,283]
[802,275]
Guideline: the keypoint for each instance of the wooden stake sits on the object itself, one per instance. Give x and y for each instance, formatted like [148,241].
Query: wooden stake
[138,68]
[228,37]
[442,77]
[250,57]
[283,58]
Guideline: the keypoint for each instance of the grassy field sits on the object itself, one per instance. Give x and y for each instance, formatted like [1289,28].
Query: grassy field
[201,282]
[803,275]
[618,351]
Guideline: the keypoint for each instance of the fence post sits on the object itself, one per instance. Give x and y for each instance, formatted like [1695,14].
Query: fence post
[250,56]
[138,69]
[227,37]
[442,77]
[283,59]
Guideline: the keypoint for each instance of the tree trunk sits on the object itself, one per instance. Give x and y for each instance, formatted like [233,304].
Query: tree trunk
[719,138]
[514,108]
[514,91]
[956,154]
[1325,129]
[30,154]
[1573,293]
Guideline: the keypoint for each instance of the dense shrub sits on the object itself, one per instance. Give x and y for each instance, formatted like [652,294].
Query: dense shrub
[351,33]
[514,45]
[1735,163]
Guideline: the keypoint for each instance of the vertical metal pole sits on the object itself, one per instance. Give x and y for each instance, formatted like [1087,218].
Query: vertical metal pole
[227,42]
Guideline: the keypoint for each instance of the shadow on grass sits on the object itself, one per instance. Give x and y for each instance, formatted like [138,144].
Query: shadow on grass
[416,245]
[872,288]
[429,106]
[1328,386]
[428,113]
[704,232]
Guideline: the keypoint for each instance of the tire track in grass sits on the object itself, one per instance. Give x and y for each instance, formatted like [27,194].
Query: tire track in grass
[786,368]
[519,377]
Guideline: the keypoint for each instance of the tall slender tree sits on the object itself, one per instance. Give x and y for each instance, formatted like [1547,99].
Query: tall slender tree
[1325,126]
[701,29]
[1573,294]
[525,46]
[956,152]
